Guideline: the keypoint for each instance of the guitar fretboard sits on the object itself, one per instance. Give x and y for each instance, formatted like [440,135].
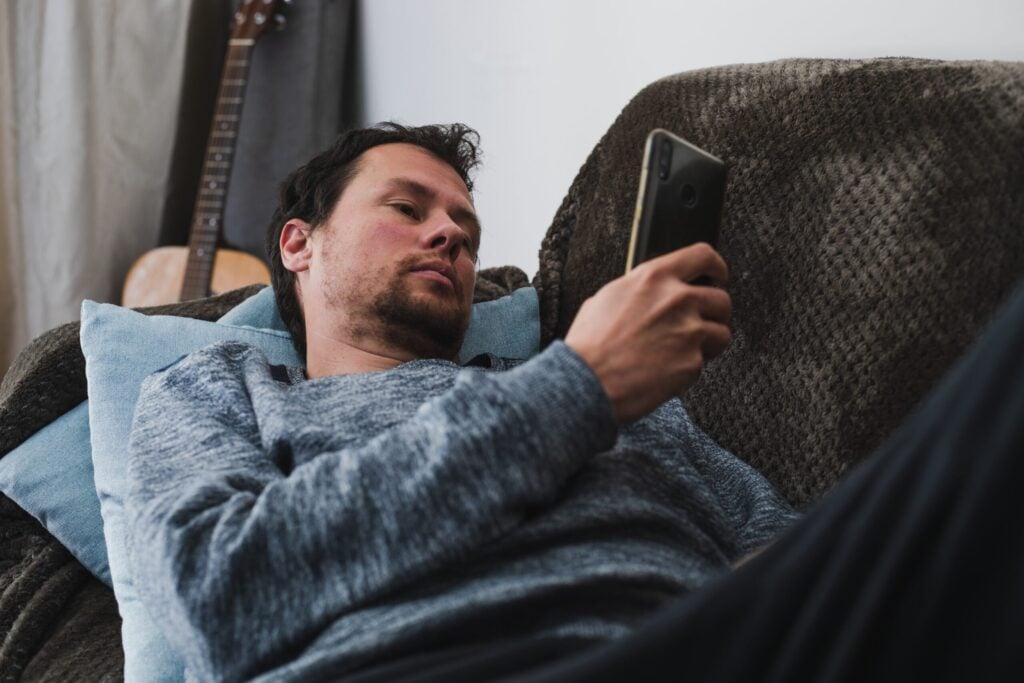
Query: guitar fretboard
[208,214]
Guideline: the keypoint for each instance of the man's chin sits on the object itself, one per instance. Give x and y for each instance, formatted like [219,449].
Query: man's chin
[424,323]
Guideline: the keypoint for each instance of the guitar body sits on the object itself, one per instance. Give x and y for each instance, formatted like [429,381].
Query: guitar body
[157,277]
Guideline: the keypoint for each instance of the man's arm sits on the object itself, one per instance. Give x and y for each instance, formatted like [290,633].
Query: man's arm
[241,564]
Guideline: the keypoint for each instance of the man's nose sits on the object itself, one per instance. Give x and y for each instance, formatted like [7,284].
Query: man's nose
[446,236]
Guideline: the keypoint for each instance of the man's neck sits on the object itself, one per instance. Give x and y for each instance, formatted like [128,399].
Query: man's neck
[326,355]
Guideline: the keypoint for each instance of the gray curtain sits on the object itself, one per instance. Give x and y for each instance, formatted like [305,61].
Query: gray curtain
[104,113]
[13,323]
[89,91]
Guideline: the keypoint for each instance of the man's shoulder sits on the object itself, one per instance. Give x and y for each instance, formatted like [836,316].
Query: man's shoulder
[221,353]
[217,362]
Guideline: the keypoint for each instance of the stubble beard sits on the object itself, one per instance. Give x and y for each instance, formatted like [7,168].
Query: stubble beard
[426,324]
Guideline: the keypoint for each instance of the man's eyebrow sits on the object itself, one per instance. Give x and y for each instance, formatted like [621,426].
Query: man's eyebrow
[460,213]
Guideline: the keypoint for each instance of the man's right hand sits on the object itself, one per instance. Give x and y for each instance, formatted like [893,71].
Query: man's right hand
[647,334]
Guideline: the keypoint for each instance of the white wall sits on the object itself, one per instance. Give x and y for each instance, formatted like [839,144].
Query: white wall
[542,80]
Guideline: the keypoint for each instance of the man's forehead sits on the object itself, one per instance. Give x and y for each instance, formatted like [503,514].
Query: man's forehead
[404,161]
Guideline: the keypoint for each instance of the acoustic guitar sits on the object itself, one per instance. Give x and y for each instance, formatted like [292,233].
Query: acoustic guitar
[170,274]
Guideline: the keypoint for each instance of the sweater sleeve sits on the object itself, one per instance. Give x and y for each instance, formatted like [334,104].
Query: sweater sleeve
[243,565]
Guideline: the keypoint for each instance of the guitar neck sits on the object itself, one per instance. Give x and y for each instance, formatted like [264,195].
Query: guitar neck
[208,214]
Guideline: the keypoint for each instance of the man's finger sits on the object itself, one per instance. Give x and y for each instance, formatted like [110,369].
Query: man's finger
[717,340]
[714,304]
[695,261]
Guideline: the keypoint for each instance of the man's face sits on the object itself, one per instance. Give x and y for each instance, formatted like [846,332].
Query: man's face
[396,259]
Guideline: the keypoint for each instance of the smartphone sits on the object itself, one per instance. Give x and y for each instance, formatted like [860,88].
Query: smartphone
[679,203]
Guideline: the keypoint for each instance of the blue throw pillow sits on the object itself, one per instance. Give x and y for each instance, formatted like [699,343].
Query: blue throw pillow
[259,311]
[508,327]
[121,348]
[51,475]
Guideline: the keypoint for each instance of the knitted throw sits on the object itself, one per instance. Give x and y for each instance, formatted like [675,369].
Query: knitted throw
[874,220]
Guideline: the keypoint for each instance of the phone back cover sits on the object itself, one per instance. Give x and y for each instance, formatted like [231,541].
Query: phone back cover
[684,208]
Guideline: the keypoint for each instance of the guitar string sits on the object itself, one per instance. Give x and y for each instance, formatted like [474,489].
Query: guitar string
[204,235]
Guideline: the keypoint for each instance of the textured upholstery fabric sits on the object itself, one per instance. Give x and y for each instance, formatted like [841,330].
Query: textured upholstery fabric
[874,220]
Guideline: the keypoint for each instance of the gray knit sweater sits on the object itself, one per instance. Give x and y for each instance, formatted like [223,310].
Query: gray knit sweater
[296,530]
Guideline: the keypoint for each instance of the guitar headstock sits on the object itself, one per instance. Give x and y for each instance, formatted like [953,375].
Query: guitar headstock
[254,17]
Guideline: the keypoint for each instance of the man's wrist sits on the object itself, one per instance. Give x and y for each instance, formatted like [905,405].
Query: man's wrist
[577,389]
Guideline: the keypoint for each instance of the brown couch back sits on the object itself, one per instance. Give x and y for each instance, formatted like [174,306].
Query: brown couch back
[874,220]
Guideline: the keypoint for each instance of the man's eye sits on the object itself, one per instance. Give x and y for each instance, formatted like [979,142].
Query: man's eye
[408,209]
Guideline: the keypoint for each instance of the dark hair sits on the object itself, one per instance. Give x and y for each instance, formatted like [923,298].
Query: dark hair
[310,193]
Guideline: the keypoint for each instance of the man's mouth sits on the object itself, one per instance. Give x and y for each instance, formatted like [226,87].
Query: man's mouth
[438,271]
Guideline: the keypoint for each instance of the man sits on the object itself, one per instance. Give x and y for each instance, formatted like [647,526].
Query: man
[389,515]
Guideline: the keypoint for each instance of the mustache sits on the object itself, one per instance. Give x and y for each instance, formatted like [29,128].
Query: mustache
[412,263]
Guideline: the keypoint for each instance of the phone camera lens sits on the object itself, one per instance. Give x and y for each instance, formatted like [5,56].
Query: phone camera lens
[665,159]
[688,195]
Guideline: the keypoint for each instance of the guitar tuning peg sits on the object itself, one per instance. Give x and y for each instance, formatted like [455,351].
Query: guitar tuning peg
[280,22]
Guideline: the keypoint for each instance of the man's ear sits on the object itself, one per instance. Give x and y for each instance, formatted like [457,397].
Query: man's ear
[296,248]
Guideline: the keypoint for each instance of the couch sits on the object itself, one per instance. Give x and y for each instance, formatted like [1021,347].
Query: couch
[874,222]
